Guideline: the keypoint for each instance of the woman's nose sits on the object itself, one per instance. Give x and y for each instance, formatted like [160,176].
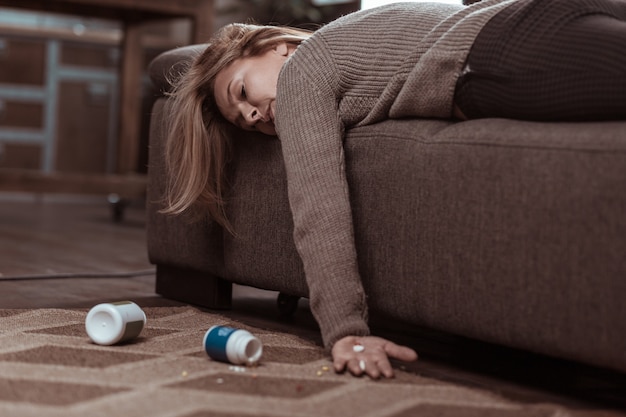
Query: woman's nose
[253,115]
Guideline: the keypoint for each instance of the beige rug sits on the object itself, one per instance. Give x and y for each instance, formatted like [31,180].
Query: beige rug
[49,367]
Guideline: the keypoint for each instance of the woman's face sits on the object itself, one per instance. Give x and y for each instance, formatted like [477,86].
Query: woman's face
[245,91]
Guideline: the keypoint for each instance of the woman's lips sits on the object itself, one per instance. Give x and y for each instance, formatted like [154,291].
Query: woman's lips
[270,112]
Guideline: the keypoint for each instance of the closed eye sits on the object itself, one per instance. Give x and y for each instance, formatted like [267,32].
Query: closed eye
[243,92]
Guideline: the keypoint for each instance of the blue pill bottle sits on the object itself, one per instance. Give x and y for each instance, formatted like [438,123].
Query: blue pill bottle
[237,346]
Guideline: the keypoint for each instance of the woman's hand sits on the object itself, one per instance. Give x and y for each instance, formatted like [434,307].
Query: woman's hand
[369,355]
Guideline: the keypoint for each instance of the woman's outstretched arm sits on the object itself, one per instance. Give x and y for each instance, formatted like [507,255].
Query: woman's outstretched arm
[312,134]
[311,137]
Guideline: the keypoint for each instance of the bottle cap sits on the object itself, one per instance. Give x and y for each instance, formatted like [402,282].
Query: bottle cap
[110,323]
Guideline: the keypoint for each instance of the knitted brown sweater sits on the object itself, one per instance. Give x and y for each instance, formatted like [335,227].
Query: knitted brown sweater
[400,60]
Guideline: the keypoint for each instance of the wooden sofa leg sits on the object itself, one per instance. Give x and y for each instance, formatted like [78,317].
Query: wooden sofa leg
[193,287]
[287,304]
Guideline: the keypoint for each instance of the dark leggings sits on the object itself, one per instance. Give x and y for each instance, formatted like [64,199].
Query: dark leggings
[549,60]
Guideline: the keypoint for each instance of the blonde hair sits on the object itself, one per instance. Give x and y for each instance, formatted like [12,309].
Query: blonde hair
[198,148]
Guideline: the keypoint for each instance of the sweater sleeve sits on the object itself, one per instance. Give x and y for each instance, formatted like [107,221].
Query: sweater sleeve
[311,135]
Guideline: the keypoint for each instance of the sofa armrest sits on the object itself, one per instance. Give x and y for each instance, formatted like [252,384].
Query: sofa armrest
[179,245]
[170,64]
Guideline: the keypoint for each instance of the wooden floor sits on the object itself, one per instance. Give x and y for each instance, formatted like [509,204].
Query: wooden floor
[65,251]
[69,237]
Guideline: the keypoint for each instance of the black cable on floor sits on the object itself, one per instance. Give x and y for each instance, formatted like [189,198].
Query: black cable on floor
[76,275]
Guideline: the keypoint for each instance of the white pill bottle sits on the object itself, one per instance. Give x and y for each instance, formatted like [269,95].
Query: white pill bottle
[111,323]
[237,346]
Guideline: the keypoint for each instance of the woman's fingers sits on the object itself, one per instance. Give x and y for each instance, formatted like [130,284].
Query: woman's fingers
[385,368]
[342,353]
[402,353]
[354,368]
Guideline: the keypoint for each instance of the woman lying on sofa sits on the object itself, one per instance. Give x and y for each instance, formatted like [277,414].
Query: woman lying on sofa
[524,59]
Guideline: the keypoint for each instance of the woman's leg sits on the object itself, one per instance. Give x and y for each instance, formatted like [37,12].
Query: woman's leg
[549,60]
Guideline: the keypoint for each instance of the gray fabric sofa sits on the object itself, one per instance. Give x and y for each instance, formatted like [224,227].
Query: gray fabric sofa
[507,232]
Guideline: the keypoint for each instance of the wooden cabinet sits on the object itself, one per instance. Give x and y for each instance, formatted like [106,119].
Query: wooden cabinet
[58,104]
[71,110]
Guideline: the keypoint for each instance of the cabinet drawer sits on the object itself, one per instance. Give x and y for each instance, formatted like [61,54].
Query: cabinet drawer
[22,61]
[83,127]
[20,156]
[90,56]
[15,114]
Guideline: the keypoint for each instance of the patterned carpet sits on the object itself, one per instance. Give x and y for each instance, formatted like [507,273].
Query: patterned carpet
[49,367]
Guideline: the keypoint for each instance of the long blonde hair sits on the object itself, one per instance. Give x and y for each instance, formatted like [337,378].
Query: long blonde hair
[197,150]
